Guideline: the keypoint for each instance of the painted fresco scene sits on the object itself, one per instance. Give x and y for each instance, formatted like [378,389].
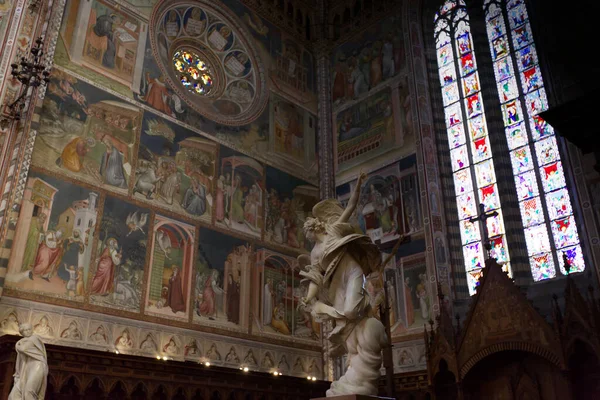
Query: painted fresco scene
[86,134]
[239,193]
[221,275]
[366,127]
[171,268]
[54,238]
[410,296]
[368,61]
[275,309]
[289,203]
[102,41]
[117,276]
[175,169]
[389,205]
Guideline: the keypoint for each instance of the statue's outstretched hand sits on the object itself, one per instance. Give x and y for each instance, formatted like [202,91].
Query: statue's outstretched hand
[302,304]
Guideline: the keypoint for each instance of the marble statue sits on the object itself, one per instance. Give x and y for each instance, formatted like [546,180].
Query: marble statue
[31,369]
[336,271]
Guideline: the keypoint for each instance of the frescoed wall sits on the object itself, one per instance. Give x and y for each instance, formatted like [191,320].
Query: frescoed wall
[164,127]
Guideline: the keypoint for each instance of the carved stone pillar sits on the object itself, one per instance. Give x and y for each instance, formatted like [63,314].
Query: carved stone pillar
[325,126]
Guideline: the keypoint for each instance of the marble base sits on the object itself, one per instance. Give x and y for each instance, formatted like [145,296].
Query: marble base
[354,397]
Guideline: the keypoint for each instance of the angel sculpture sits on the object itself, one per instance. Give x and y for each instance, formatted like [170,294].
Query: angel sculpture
[336,271]
[164,242]
[135,222]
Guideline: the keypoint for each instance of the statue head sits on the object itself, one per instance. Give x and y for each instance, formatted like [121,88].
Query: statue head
[313,227]
[25,329]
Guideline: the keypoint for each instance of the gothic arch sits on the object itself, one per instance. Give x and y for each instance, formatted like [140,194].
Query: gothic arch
[526,347]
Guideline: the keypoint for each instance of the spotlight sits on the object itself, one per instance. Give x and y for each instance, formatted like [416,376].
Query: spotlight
[165,358]
[275,373]
[158,357]
[116,351]
[308,377]
[314,378]
[246,369]
[207,364]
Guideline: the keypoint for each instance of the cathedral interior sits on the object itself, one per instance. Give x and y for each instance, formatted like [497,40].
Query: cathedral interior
[153,242]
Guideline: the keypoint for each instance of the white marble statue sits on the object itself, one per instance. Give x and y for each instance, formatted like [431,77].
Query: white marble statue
[336,270]
[31,369]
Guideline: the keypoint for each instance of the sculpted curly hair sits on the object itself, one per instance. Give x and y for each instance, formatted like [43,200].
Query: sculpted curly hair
[314,225]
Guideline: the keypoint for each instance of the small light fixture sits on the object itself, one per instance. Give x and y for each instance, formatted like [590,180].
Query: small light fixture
[116,351]
[158,357]
[276,373]
[308,377]
[165,358]
[246,369]
[314,378]
[207,364]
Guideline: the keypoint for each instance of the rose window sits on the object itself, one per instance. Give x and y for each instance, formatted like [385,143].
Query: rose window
[194,74]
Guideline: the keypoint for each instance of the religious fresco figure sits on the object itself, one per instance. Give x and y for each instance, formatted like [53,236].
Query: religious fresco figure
[175,298]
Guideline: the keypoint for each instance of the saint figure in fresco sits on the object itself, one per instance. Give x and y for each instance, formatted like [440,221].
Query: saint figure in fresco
[103,281]
[220,199]
[422,296]
[175,297]
[104,29]
[48,256]
[73,154]
[71,332]
[194,201]
[34,238]
[157,95]
[232,356]
[268,302]
[233,300]
[237,198]
[111,165]
[208,306]
[278,321]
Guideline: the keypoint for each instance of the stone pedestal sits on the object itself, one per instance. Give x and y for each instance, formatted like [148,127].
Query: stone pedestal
[354,397]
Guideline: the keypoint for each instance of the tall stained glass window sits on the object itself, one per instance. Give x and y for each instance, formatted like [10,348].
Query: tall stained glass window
[470,151]
[545,205]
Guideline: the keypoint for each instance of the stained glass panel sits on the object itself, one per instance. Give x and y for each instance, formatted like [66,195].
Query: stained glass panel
[547,151]
[450,93]
[512,112]
[456,136]
[466,205]
[473,278]
[552,176]
[521,160]
[513,3]
[453,115]
[473,254]
[498,250]
[575,257]
[537,239]
[499,47]
[444,55]
[471,84]
[516,136]
[463,43]
[521,36]
[462,181]
[467,64]
[473,105]
[531,79]
[447,75]
[480,149]
[496,28]
[559,204]
[517,16]
[489,197]
[460,158]
[495,224]
[527,186]
[564,231]
[540,128]
[531,212]
[508,90]
[477,127]
[536,102]
[542,267]
[526,58]
[469,232]
[484,173]
[503,69]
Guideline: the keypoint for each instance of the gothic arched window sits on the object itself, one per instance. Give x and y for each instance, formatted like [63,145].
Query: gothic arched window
[545,206]
[470,150]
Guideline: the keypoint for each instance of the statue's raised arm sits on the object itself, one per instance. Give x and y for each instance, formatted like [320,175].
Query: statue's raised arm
[345,217]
